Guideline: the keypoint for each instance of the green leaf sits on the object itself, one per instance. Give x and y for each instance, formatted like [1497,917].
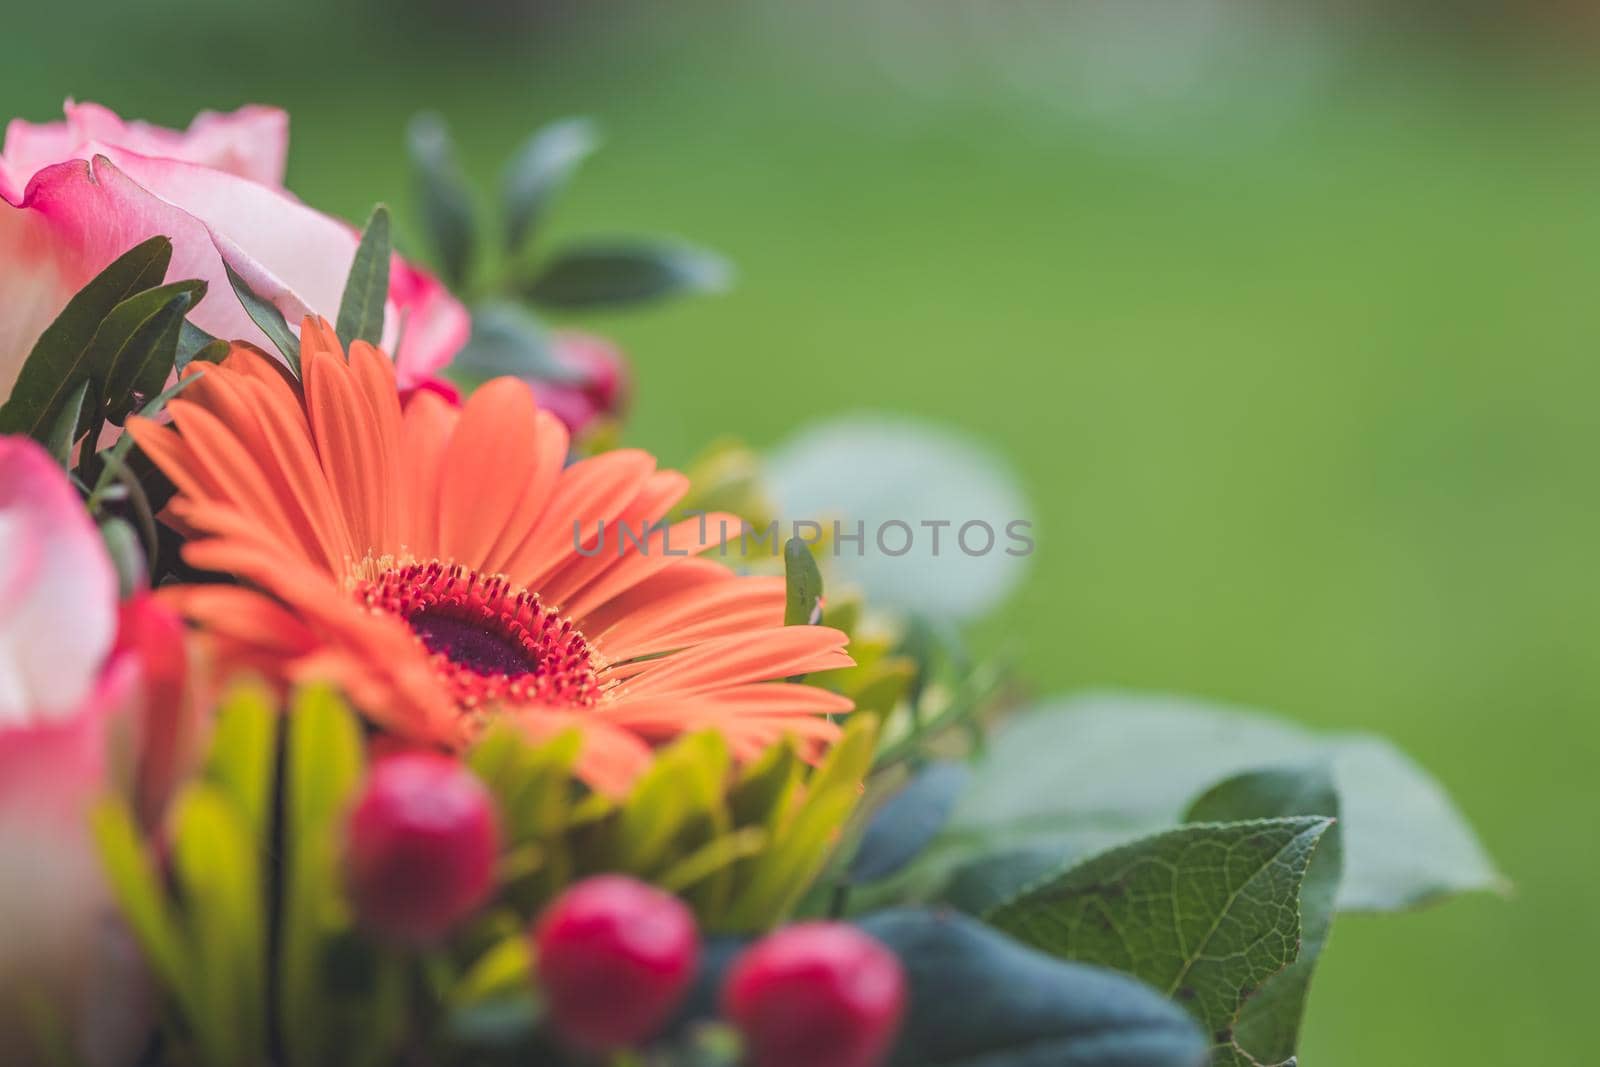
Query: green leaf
[980,999]
[114,459]
[803,585]
[1206,913]
[361,309]
[195,344]
[1079,775]
[801,840]
[65,432]
[60,358]
[217,864]
[1268,1027]
[621,273]
[136,346]
[137,887]
[678,800]
[539,169]
[507,340]
[244,753]
[127,555]
[446,202]
[266,315]
[908,821]
[324,767]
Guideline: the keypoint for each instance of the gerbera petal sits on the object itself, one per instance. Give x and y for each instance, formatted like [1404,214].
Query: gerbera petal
[349,440]
[664,548]
[495,476]
[749,657]
[693,615]
[589,493]
[427,424]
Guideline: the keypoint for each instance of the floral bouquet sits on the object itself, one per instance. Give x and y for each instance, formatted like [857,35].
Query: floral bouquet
[361,702]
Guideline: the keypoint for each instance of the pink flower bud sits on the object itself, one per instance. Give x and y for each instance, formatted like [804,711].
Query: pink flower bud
[422,847]
[816,993]
[615,957]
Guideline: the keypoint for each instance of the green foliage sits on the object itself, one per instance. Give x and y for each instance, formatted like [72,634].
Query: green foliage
[137,344]
[335,997]
[366,289]
[207,940]
[64,433]
[978,999]
[1074,777]
[127,555]
[195,344]
[73,349]
[507,340]
[110,350]
[741,847]
[539,169]
[803,592]
[446,202]
[1268,1027]
[1206,914]
[265,314]
[905,823]
[619,273]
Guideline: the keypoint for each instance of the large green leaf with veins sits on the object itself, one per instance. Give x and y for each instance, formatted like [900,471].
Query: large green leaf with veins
[1074,777]
[1207,914]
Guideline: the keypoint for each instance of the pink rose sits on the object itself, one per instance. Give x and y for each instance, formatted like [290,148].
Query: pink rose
[61,684]
[76,194]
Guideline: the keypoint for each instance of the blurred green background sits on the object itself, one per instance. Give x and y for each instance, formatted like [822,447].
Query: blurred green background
[1288,322]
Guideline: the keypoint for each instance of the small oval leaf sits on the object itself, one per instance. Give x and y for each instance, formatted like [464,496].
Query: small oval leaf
[623,273]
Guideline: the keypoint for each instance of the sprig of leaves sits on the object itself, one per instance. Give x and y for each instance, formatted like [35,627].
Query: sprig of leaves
[112,347]
[588,274]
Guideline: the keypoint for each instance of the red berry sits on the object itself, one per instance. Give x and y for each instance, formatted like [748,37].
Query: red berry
[813,994]
[422,847]
[615,957]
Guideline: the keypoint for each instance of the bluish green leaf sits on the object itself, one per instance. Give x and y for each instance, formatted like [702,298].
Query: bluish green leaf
[1075,776]
[60,358]
[66,431]
[1268,1027]
[908,821]
[980,999]
[803,585]
[508,341]
[446,202]
[1206,914]
[366,289]
[195,344]
[136,346]
[266,315]
[127,555]
[114,459]
[594,275]
[539,169]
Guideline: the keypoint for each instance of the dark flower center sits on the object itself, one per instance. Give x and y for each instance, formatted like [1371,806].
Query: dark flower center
[490,641]
[468,645]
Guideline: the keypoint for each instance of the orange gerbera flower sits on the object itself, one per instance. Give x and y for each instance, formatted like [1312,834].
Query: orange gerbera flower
[425,560]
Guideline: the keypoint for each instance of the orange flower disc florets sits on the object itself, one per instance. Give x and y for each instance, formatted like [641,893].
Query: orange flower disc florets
[489,640]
